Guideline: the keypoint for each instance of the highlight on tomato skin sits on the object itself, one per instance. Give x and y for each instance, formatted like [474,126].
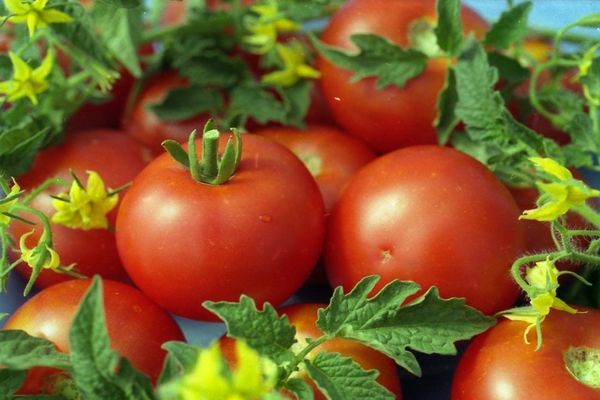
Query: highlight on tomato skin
[392,117]
[137,327]
[499,364]
[117,159]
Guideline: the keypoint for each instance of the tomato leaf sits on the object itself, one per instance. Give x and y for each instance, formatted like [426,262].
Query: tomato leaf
[181,357]
[340,377]
[183,103]
[21,351]
[449,31]
[591,80]
[296,100]
[11,381]
[429,324]
[122,3]
[511,27]
[377,57]
[509,69]
[300,389]
[446,119]
[251,100]
[99,372]
[264,331]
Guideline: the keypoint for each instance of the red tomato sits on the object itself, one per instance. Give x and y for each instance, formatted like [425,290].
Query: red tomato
[499,365]
[137,327]
[146,127]
[391,117]
[303,317]
[118,159]
[184,242]
[432,215]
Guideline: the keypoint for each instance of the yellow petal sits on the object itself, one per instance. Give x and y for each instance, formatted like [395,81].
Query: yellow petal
[547,212]
[41,72]
[16,7]
[39,4]
[21,70]
[306,71]
[53,260]
[561,305]
[33,22]
[551,167]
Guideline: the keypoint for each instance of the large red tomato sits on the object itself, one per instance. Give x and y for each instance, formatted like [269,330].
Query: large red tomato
[391,117]
[432,215]
[499,365]
[118,159]
[183,242]
[137,327]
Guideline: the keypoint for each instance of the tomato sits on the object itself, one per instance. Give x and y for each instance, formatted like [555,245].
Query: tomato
[146,127]
[499,365]
[137,327]
[118,159]
[303,317]
[432,215]
[392,117]
[184,242]
[329,154]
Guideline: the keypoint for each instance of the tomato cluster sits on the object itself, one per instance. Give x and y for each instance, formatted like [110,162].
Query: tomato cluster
[362,190]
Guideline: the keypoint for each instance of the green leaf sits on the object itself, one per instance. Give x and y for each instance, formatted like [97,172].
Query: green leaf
[449,31]
[510,28]
[212,67]
[591,80]
[181,358]
[296,100]
[428,324]
[264,331]
[122,3]
[11,381]
[341,378]
[184,103]
[589,21]
[19,157]
[99,372]
[447,119]
[121,29]
[509,69]
[300,389]
[250,100]
[377,57]
[20,351]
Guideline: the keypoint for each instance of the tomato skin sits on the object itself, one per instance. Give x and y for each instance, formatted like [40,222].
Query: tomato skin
[432,215]
[184,242]
[499,365]
[118,159]
[146,127]
[392,117]
[137,327]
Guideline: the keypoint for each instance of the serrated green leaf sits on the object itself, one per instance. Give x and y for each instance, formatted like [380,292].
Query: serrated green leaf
[181,358]
[447,119]
[296,100]
[377,57]
[99,372]
[265,331]
[300,389]
[511,27]
[509,69]
[429,324]
[449,31]
[217,69]
[21,351]
[252,101]
[184,103]
[121,30]
[341,378]
[10,382]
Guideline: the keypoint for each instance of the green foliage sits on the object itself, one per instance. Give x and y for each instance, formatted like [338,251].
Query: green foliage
[511,27]
[449,31]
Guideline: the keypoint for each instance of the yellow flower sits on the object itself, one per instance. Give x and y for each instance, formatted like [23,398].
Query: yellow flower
[85,208]
[264,26]
[40,256]
[26,81]
[559,196]
[34,14]
[543,278]
[294,67]
[6,206]
[210,380]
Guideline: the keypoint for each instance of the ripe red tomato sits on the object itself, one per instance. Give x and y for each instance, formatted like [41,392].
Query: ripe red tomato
[118,159]
[499,365]
[146,127]
[392,117]
[184,242]
[432,215]
[137,327]
[329,154]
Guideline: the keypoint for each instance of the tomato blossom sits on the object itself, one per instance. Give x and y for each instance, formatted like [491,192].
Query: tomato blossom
[34,14]
[254,376]
[560,195]
[8,202]
[85,208]
[543,281]
[26,81]
[264,26]
[40,256]
[294,67]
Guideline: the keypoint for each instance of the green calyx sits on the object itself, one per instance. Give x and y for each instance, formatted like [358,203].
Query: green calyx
[584,365]
[210,168]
